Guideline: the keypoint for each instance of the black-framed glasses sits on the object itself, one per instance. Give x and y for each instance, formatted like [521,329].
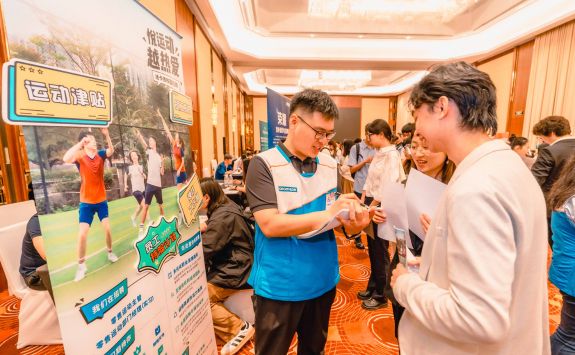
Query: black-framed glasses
[319,135]
[421,149]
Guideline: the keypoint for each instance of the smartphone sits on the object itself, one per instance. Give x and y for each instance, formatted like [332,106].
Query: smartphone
[403,252]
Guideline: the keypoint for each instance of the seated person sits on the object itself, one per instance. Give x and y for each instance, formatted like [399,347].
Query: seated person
[33,257]
[228,253]
[224,167]
[238,163]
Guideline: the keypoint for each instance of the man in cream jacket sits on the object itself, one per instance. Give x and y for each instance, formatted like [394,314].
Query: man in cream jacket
[481,287]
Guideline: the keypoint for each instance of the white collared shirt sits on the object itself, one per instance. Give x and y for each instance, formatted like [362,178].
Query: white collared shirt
[384,168]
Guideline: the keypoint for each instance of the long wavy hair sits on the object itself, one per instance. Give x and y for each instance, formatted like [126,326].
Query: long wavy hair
[564,187]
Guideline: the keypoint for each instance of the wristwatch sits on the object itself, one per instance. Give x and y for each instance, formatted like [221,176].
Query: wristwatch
[350,237]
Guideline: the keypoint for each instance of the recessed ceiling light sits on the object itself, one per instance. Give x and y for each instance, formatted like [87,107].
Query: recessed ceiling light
[312,35]
[408,37]
[359,36]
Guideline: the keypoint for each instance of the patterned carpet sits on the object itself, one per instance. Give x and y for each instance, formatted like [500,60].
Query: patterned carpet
[352,330]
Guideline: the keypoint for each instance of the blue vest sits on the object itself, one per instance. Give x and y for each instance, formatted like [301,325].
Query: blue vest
[288,268]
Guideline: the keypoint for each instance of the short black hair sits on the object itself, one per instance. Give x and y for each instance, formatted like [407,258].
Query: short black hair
[347,144]
[380,126]
[408,128]
[311,100]
[228,156]
[469,88]
[83,135]
[515,141]
[552,124]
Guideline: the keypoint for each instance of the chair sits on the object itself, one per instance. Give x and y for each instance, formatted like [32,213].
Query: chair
[214,164]
[240,303]
[206,173]
[38,318]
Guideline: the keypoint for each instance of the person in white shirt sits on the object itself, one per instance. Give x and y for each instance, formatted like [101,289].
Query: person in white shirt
[155,172]
[482,282]
[384,168]
[137,180]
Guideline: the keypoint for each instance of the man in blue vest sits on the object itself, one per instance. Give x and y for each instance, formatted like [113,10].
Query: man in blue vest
[291,191]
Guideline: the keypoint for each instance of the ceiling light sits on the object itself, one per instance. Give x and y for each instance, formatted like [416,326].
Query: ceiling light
[395,88]
[408,10]
[339,80]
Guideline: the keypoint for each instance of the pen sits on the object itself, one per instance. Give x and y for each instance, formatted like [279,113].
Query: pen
[337,194]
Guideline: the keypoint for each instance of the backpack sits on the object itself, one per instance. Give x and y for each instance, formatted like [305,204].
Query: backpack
[357,155]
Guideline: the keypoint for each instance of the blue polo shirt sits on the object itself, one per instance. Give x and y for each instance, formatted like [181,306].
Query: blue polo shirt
[365,152]
[221,170]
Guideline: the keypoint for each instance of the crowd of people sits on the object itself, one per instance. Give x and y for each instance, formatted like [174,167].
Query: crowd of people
[484,255]
[481,284]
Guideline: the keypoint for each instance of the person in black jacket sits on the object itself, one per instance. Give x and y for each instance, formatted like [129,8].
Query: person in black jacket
[554,131]
[228,253]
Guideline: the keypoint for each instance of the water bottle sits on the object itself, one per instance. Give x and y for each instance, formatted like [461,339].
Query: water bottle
[227,180]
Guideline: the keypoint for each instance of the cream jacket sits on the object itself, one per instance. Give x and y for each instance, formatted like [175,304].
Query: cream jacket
[481,287]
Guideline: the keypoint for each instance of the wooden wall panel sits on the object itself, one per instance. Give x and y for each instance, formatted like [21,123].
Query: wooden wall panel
[185,27]
[518,102]
[392,117]
[347,101]
[501,70]
[13,157]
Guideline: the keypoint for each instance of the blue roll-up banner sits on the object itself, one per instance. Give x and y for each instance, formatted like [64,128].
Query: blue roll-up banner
[278,113]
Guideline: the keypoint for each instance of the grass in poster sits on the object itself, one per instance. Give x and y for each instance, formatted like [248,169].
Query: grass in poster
[60,233]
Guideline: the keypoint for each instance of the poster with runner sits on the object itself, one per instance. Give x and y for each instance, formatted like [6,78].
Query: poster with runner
[106,163]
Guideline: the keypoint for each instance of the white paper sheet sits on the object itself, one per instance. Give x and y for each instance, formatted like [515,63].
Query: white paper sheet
[330,224]
[393,203]
[422,195]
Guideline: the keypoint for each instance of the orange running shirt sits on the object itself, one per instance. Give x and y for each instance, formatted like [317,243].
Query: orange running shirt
[92,189]
[178,154]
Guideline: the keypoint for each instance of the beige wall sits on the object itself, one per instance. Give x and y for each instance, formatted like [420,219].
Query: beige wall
[242,120]
[204,96]
[230,108]
[372,109]
[164,9]
[219,98]
[501,72]
[403,113]
[235,120]
[260,114]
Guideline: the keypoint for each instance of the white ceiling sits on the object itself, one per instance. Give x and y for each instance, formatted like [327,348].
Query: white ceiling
[268,43]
